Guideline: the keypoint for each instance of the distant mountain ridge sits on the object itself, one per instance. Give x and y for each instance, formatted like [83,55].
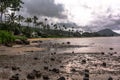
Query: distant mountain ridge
[107,32]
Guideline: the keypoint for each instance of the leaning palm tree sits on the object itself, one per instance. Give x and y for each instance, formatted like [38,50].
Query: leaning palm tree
[55,26]
[45,25]
[35,18]
[40,24]
[64,27]
[28,21]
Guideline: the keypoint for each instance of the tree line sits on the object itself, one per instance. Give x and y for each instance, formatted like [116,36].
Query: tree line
[13,22]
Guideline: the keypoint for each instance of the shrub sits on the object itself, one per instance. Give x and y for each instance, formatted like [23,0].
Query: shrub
[6,37]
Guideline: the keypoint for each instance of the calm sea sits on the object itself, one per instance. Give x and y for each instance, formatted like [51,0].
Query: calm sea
[95,44]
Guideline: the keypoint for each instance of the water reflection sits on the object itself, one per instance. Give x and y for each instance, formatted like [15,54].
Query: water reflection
[101,44]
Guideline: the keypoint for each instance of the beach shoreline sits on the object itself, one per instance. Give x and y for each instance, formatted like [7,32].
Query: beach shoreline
[25,59]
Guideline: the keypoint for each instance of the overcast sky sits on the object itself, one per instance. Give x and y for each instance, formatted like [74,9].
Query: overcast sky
[91,14]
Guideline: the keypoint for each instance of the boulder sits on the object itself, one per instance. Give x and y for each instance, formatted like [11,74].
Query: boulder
[45,77]
[110,78]
[9,44]
[15,77]
[104,64]
[37,73]
[18,41]
[73,70]
[52,59]
[84,61]
[55,70]
[26,42]
[61,78]
[30,76]
[68,42]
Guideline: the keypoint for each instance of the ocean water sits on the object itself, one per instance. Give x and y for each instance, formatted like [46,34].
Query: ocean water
[94,44]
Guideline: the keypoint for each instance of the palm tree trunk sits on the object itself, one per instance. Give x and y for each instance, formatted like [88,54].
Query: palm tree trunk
[28,24]
[1,17]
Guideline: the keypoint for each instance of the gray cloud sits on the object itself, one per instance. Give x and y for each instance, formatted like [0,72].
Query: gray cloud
[109,19]
[46,8]
[99,16]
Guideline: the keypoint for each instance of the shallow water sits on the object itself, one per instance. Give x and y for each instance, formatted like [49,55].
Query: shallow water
[95,44]
[70,65]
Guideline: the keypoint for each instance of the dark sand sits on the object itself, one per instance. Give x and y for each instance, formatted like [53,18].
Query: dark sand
[22,60]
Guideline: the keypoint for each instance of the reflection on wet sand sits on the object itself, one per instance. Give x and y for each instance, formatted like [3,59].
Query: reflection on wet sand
[71,60]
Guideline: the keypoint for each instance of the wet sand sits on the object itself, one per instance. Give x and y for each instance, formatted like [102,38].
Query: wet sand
[26,59]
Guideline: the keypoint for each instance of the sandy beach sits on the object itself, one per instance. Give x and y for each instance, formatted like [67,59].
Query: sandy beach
[37,62]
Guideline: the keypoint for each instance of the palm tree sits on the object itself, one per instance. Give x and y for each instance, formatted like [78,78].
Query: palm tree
[11,21]
[48,27]
[12,17]
[13,4]
[51,23]
[16,5]
[60,28]
[28,31]
[69,32]
[46,19]
[3,7]
[55,26]
[72,29]
[45,26]
[64,27]
[35,20]
[81,32]
[41,24]
[28,21]
[20,18]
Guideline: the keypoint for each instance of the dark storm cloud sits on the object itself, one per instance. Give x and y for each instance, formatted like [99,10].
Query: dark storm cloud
[46,8]
[100,16]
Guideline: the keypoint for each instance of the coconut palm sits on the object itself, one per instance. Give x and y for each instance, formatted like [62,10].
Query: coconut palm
[46,19]
[55,26]
[41,24]
[12,22]
[35,18]
[3,6]
[16,5]
[48,27]
[13,4]
[64,27]
[11,18]
[28,21]
[72,29]
[20,19]
[45,26]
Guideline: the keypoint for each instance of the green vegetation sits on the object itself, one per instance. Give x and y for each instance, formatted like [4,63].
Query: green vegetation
[6,37]
[11,25]
[20,37]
